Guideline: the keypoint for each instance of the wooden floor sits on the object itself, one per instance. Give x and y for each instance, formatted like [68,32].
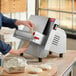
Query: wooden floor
[71,44]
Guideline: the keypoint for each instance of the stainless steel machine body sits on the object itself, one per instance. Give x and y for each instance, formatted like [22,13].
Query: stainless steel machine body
[49,37]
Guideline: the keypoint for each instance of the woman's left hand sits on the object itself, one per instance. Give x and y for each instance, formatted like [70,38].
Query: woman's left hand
[18,52]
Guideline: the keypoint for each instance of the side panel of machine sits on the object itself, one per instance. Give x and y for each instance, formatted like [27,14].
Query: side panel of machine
[56,41]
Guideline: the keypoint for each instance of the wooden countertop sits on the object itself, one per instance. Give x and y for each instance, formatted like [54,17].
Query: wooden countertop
[62,63]
[52,72]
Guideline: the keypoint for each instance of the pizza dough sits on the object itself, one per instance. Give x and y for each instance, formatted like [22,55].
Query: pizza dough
[34,70]
[45,67]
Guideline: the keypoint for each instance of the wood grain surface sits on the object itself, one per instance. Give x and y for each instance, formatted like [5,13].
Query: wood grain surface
[62,64]
[52,72]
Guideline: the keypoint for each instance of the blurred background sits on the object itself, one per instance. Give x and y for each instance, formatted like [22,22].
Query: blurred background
[62,10]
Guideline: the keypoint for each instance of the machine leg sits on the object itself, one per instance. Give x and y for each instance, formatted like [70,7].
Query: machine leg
[21,54]
[40,59]
[61,55]
[50,52]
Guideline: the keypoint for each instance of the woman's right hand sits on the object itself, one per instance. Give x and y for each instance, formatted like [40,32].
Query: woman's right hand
[18,52]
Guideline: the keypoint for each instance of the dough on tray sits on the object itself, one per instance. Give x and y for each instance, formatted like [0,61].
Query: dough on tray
[34,70]
[45,66]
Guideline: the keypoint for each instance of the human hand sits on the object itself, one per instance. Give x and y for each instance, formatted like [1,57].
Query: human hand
[29,24]
[18,52]
[25,23]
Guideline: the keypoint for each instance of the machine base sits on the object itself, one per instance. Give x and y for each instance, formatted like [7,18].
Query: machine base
[21,54]
[50,52]
[61,55]
[40,59]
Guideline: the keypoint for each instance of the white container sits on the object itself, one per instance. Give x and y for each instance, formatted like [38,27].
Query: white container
[15,64]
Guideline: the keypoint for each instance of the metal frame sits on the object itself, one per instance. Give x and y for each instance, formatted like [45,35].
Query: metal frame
[60,11]
[37,7]
[56,10]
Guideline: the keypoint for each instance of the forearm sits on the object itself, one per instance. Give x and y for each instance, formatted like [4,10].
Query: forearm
[19,22]
[8,22]
[13,23]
